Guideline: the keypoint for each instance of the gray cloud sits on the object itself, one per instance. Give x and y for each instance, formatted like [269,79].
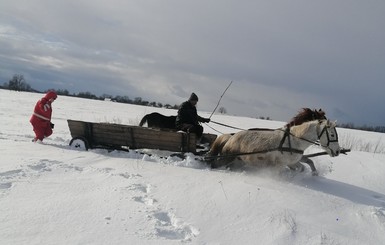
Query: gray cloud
[281,55]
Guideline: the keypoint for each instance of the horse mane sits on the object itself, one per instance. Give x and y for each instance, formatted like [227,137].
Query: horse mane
[305,115]
[302,129]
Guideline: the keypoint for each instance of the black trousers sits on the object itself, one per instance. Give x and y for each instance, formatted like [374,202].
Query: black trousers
[190,128]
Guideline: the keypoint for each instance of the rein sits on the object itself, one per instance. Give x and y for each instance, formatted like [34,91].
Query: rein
[213,128]
[226,125]
[288,134]
[280,148]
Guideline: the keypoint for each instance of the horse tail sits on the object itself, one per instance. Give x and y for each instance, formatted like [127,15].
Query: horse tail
[143,121]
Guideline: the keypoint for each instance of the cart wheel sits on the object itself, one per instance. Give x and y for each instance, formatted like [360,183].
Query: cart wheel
[79,143]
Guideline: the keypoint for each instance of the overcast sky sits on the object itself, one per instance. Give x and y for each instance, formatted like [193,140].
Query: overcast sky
[281,55]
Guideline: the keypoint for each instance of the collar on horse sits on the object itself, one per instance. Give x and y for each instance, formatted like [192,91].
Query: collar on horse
[289,149]
[279,148]
[287,134]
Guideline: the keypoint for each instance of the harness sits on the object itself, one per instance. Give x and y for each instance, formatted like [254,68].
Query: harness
[328,136]
[287,135]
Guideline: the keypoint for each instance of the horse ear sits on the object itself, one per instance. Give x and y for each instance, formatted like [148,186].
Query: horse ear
[332,123]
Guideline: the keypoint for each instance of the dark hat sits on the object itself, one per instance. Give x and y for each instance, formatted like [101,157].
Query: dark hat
[193,97]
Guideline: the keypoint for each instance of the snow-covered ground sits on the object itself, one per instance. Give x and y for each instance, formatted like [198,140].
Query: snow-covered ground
[52,194]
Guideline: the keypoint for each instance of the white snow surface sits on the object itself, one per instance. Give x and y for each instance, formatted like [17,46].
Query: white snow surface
[52,194]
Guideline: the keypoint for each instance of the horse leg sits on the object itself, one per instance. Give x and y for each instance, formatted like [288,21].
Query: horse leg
[212,158]
[301,168]
[216,150]
[307,160]
[221,162]
[297,167]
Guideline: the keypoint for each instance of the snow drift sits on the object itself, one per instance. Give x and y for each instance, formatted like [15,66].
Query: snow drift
[52,194]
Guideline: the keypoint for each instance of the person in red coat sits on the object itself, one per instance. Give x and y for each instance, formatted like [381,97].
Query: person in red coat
[41,117]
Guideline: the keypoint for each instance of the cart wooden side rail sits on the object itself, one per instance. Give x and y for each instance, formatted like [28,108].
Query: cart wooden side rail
[116,136]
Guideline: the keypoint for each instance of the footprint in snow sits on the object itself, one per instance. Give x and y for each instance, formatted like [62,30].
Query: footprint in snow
[7,178]
[284,223]
[169,227]
[379,213]
[6,185]
[146,189]
[166,225]
[40,167]
[10,174]
[139,188]
[106,170]
[129,176]
[145,200]
[46,165]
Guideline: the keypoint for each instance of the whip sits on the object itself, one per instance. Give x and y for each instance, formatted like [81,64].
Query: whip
[220,99]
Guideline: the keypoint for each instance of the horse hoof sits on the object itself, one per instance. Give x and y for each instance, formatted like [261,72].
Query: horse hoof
[314,173]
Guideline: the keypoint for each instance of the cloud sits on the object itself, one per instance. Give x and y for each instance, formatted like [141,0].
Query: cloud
[281,55]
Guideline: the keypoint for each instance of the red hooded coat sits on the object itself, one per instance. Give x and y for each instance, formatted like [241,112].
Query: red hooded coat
[41,116]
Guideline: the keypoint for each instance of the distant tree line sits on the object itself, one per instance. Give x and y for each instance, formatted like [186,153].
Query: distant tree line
[264,118]
[18,83]
[119,99]
[380,129]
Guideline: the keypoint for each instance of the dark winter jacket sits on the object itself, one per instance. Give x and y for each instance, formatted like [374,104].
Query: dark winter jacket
[187,114]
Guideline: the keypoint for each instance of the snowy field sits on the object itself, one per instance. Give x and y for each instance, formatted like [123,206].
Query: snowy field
[52,194]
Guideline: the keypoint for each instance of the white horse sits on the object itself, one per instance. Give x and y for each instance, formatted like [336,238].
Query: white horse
[278,148]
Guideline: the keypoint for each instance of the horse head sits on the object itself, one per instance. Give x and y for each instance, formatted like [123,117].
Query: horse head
[319,114]
[328,137]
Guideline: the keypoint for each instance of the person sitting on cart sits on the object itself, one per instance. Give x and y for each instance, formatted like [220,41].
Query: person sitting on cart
[188,120]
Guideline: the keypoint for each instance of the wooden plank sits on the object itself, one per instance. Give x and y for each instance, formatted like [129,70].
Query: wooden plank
[132,136]
[149,145]
[149,136]
[135,130]
[81,129]
[128,138]
[152,139]
[141,143]
[123,133]
[125,128]
[77,128]
[142,132]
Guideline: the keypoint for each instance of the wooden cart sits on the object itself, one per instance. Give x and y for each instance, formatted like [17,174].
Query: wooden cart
[116,136]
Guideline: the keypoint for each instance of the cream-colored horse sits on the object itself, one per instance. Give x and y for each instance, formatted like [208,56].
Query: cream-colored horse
[277,148]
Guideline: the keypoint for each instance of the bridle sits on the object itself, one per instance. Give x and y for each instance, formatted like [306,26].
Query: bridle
[288,134]
[332,137]
[325,130]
